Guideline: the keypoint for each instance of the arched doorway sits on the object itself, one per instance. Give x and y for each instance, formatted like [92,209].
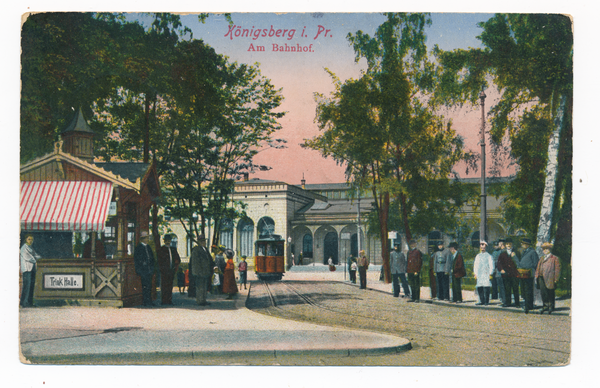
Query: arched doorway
[330,248]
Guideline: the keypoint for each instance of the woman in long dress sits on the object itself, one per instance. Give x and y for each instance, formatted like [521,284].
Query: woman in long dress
[229,284]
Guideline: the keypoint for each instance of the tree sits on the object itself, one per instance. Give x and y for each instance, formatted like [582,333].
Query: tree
[382,126]
[68,60]
[529,57]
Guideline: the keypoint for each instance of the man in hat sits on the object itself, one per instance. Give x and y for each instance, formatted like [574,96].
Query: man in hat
[168,262]
[483,267]
[546,277]
[508,269]
[28,257]
[202,266]
[398,269]
[526,266]
[143,258]
[497,284]
[414,265]
[442,264]
[458,272]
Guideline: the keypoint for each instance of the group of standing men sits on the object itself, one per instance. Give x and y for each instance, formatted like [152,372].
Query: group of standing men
[503,272]
[401,266]
[526,272]
[168,261]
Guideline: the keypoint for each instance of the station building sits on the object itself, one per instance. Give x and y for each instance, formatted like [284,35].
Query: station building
[319,221]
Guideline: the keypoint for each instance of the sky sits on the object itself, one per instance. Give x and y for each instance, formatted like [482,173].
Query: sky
[322,37]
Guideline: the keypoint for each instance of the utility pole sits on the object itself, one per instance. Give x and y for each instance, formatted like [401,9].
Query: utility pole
[358,226]
[483,224]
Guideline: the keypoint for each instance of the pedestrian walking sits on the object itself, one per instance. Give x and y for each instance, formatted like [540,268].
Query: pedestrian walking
[181,283]
[229,284]
[413,267]
[243,270]
[483,267]
[442,263]
[458,272]
[349,265]
[220,264]
[202,267]
[363,266]
[546,276]
[168,262]
[143,258]
[331,265]
[398,269]
[28,267]
[508,269]
[353,269]
[526,267]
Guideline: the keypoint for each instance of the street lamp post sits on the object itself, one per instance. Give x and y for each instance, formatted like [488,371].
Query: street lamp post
[483,225]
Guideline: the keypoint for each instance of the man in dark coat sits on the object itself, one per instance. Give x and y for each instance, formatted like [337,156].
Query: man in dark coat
[413,268]
[202,268]
[527,265]
[508,269]
[168,262]
[143,258]
[458,272]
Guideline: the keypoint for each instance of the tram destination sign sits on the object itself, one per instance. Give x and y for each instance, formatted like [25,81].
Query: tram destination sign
[55,281]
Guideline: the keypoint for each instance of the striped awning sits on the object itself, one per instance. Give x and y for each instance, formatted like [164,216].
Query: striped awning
[64,205]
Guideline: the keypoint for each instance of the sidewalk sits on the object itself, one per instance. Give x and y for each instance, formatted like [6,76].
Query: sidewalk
[321,272]
[185,331]
[67,335]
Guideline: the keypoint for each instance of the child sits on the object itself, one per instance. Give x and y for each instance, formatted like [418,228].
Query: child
[243,268]
[181,280]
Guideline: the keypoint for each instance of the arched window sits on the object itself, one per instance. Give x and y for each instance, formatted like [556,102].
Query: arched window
[246,234]
[226,237]
[307,245]
[266,227]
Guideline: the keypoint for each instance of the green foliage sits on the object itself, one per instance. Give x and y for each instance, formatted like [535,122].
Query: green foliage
[529,58]
[382,127]
[68,60]
[151,95]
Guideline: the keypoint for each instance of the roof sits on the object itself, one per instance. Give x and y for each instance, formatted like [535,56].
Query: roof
[327,186]
[131,171]
[258,181]
[78,124]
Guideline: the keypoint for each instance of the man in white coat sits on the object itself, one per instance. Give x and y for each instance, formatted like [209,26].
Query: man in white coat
[483,268]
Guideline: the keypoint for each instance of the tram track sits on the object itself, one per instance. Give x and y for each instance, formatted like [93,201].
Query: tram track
[390,322]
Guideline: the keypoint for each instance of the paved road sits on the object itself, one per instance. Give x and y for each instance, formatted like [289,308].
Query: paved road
[440,335]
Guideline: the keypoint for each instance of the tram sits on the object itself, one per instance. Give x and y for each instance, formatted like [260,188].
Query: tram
[269,257]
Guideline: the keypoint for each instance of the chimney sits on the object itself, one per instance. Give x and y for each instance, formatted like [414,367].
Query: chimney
[303,182]
[246,175]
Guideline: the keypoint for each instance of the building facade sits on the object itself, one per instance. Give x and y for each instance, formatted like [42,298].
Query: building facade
[318,222]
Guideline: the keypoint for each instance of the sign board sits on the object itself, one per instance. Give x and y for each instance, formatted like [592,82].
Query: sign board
[346,236]
[70,281]
[392,235]
[112,209]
